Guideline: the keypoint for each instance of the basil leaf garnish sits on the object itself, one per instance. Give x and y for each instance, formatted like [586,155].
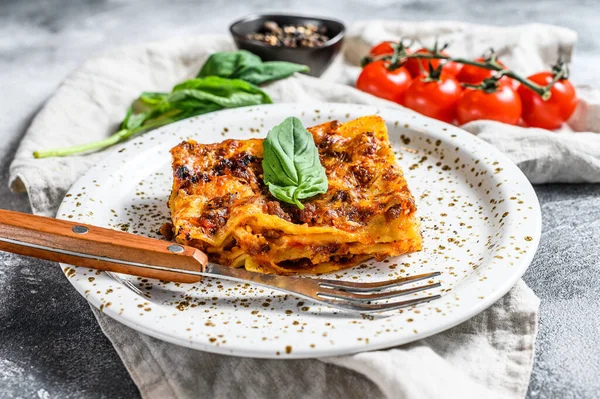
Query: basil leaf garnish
[227,64]
[247,66]
[270,71]
[291,165]
[229,93]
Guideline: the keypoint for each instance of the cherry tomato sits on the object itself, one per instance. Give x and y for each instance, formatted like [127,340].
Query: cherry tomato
[436,99]
[412,64]
[549,114]
[451,68]
[475,75]
[503,105]
[376,79]
[382,49]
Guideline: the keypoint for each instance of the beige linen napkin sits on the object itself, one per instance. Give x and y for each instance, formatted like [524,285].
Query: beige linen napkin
[487,356]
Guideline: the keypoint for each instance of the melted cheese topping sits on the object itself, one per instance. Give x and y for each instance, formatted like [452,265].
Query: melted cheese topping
[220,204]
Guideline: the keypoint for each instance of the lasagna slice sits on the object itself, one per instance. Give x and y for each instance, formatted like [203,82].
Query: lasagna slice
[220,204]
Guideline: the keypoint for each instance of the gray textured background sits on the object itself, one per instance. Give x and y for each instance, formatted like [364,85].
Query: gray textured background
[51,345]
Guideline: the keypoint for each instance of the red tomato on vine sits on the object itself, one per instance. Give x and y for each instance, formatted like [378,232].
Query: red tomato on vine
[412,64]
[382,48]
[474,75]
[552,113]
[376,79]
[436,98]
[502,105]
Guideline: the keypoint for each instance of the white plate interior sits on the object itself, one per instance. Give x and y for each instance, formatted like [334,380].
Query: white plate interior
[480,221]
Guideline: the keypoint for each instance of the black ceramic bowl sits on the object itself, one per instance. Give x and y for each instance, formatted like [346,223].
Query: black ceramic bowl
[317,58]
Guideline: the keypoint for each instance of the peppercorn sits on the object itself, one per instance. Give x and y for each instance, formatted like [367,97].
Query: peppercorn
[293,36]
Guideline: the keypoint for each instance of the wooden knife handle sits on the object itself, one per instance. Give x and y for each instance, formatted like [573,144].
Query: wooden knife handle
[97,248]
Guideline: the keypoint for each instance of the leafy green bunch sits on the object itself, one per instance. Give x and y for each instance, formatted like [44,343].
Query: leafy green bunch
[226,80]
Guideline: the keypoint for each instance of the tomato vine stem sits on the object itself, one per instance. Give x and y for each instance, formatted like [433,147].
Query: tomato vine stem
[400,55]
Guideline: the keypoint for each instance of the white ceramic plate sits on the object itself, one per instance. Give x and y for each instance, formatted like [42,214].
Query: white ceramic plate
[481,224]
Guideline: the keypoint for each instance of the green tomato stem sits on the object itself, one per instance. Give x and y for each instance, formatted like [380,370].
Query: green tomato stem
[494,66]
[560,75]
[543,91]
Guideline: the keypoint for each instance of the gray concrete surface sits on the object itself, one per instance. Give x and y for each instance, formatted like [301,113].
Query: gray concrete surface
[50,343]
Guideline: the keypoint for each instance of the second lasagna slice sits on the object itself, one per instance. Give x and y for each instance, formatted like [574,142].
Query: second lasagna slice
[220,204]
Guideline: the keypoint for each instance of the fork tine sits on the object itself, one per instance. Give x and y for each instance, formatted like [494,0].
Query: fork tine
[344,297]
[383,307]
[351,286]
[354,297]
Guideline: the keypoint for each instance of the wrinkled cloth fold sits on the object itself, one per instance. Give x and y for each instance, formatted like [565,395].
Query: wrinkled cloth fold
[488,356]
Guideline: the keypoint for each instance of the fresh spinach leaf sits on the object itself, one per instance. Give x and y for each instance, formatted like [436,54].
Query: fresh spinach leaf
[291,165]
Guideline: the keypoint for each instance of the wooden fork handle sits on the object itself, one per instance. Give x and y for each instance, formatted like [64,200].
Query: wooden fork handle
[97,248]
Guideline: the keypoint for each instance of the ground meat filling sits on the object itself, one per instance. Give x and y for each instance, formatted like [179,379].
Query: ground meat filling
[221,167]
[187,176]
[367,144]
[166,230]
[216,213]
[296,264]
[328,248]
[393,212]
[360,215]
[363,175]
[340,196]
[390,174]
[183,173]
[274,208]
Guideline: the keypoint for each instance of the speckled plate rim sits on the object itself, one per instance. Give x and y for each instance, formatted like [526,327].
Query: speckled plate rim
[434,130]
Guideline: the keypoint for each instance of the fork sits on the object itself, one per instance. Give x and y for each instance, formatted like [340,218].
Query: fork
[115,251]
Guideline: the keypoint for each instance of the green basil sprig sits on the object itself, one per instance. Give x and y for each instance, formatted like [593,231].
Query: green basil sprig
[190,98]
[291,165]
[226,80]
[249,67]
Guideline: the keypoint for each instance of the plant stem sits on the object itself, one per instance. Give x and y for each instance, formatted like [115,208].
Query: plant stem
[543,91]
[494,66]
[119,136]
[557,76]
[95,145]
